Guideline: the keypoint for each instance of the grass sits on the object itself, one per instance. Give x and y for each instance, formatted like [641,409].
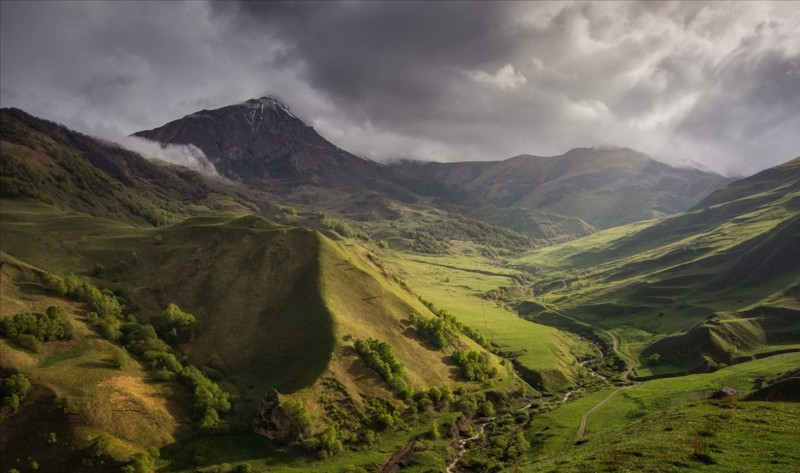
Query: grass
[457,283]
[649,280]
[555,430]
[267,298]
[77,393]
[699,436]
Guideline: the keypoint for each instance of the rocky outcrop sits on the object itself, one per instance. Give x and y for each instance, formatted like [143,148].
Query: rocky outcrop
[273,422]
[724,393]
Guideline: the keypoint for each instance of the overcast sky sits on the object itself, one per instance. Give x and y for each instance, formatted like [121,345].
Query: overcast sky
[713,83]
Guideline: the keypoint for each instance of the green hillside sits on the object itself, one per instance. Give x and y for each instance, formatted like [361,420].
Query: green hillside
[674,425]
[713,285]
[605,187]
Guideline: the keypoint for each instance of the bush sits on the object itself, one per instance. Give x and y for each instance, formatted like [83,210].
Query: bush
[12,401]
[378,356]
[100,445]
[119,358]
[175,325]
[654,359]
[140,462]
[439,331]
[209,398]
[29,342]
[487,409]
[53,324]
[474,365]
[297,411]
[14,389]
[433,434]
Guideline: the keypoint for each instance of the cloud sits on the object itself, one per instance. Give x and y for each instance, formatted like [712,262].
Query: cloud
[188,156]
[506,78]
[715,83]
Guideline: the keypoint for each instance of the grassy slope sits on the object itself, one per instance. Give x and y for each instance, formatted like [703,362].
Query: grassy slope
[77,393]
[630,431]
[648,280]
[280,306]
[458,283]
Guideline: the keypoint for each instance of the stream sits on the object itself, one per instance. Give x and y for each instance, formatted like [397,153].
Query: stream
[462,443]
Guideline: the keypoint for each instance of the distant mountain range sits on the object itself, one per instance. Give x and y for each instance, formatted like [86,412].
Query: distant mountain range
[605,187]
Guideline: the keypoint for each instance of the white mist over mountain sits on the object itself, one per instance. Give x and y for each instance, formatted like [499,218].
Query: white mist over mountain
[188,156]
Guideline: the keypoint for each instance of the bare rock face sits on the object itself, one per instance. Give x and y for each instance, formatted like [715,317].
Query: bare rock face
[272,422]
[724,393]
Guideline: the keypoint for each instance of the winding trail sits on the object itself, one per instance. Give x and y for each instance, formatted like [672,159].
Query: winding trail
[629,362]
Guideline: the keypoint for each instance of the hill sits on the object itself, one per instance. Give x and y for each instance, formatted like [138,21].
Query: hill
[266,298]
[715,284]
[605,187]
[50,163]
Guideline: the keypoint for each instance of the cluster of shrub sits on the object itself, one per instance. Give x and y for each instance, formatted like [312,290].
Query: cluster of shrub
[29,330]
[149,341]
[424,242]
[434,238]
[342,228]
[139,462]
[378,356]
[13,389]
[438,330]
[451,320]
[474,365]
[506,445]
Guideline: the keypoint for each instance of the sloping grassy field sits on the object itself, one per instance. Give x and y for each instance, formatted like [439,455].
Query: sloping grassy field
[77,390]
[650,280]
[671,425]
[459,284]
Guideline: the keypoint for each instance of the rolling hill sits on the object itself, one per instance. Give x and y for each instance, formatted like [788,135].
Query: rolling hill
[715,284]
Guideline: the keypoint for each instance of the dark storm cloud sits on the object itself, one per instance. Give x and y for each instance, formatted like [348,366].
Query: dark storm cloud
[715,83]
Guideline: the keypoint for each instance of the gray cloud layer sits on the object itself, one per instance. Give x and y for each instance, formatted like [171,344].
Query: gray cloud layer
[713,83]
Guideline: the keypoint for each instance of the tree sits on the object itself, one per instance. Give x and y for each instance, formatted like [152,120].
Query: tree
[177,325]
[487,409]
[119,358]
[12,402]
[100,445]
[654,359]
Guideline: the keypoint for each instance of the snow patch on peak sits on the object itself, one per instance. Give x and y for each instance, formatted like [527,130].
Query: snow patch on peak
[269,101]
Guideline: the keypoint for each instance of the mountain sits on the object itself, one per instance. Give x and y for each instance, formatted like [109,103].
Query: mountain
[715,284]
[261,143]
[605,187]
[48,162]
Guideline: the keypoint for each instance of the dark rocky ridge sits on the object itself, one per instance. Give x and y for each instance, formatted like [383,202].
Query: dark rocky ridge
[261,143]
